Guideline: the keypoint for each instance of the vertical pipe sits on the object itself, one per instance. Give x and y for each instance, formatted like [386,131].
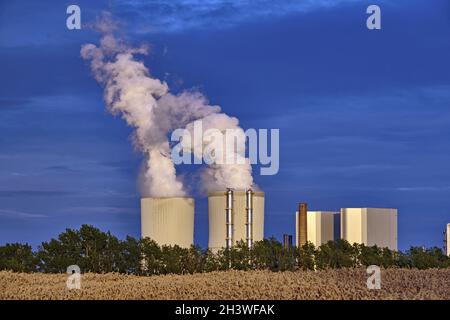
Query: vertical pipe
[249,223]
[229,218]
[302,221]
[285,241]
[290,241]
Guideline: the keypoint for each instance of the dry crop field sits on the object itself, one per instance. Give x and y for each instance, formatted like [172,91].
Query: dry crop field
[327,284]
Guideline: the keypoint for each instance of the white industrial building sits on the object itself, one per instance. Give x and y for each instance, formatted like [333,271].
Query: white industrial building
[168,221]
[234,216]
[320,227]
[370,226]
[447,240]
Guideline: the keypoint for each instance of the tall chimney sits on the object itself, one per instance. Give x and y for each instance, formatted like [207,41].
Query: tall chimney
[249,222]
[229,218]
[287,241]
[302,221]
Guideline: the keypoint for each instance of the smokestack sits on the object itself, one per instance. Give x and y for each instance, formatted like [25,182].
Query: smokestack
[249,223]
[229,219]
[287,241]
[302,236]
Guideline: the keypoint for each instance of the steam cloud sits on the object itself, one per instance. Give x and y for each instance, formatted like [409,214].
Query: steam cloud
[147,105]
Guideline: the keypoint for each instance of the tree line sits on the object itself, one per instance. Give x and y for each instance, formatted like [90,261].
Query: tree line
[101,252]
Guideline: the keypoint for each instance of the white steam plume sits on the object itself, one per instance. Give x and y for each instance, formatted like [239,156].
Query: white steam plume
[146,104]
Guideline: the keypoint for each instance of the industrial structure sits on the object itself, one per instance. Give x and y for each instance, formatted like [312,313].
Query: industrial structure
[235,216]
[447,240]
[301,225]
[287,241]
[321,227]
[370,226]
[168,221]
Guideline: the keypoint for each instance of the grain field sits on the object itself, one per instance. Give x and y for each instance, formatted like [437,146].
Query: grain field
[327,284]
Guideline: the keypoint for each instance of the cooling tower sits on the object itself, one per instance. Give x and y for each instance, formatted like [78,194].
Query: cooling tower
[219,210]
[168,221]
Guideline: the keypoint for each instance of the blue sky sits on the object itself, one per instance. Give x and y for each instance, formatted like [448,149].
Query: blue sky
[363,115]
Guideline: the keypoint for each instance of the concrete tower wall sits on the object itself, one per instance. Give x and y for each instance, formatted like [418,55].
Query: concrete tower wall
[447,240]
[217,218]
[168,221]
[370,226]
[320,227]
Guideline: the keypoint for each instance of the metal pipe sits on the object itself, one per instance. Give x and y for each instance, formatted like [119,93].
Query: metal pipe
[287,241]
[229,218]
[249,223]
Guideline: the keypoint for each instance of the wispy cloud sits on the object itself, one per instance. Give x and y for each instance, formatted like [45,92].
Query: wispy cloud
[12,103]
[32,193]
[20,214]
[178,15]
[100,210]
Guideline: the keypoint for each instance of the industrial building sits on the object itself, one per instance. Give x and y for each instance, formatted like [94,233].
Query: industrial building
[235,216]
[447,240]
[320,227]
[370,226]
[168,221]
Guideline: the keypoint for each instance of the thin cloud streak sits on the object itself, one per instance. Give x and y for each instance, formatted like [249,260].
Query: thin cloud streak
[166,16]
[20,214]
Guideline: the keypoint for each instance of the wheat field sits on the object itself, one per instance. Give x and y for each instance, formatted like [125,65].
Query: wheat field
[327,284]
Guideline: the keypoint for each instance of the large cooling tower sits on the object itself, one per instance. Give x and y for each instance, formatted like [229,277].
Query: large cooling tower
[168,221]
[217,207]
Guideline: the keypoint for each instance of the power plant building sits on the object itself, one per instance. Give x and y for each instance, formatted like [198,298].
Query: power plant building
[168,221]
[370,226]
[447,240]
[235,216]
[320,226]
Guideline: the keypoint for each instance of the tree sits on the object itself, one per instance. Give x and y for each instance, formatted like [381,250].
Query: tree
[269,254]
[172,258]
[368,256]
[336,254]
[151,256]
[130,256]
[210,261]
[422,258]
[193,260]
[18,258]
[57,254]
[306,256]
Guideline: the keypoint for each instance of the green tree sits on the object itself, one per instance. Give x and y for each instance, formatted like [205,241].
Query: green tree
[193,260]
[18,257]
[240,256]
[130,259]
[270,254]
[172,258]
[422,258]
[368,256]
[151,257]
[336,254]
[57,254]
[306,256]
[211,261]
